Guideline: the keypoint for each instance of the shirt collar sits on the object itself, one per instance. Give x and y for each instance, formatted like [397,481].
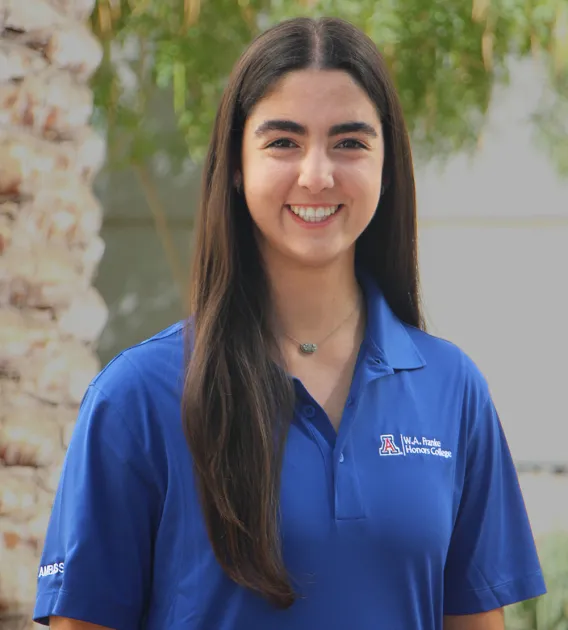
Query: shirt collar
[387,337]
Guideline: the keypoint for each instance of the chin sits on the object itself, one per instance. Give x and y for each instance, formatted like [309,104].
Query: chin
[307,254]
[316,259]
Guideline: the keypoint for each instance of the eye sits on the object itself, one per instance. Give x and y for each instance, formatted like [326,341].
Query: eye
[282,143]
[351,143]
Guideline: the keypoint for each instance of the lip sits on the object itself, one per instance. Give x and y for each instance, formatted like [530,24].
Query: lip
[313,225]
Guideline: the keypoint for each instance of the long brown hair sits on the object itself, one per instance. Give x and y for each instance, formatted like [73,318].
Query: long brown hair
[238,401]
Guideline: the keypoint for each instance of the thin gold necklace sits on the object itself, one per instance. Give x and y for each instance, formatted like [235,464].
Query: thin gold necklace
[310,348]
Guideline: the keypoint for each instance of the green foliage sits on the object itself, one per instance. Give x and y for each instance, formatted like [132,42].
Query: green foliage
[445,57]
[549,612]
[151,49]
[551,121]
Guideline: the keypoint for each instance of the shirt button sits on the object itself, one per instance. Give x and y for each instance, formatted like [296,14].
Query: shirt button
[349,401]
[341,458]
[309,411]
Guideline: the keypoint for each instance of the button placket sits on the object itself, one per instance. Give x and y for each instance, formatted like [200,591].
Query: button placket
[309,411]
[348,499]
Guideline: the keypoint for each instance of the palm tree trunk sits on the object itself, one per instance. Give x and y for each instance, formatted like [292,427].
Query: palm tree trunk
[50,315]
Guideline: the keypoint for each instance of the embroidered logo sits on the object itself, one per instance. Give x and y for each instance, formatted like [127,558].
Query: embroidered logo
[388,446]
[51,569]
[412,445]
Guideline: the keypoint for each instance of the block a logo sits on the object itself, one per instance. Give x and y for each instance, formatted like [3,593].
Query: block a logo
[388,446]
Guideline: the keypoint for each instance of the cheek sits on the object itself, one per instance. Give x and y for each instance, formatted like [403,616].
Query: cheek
[363,184]
[268,181]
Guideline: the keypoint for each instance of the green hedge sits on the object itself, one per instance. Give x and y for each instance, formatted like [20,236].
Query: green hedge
[549,612]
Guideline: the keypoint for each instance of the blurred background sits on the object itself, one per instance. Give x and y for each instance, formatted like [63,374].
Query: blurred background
[105,112]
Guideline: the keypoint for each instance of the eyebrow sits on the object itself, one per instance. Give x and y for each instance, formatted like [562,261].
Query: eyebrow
[289,126]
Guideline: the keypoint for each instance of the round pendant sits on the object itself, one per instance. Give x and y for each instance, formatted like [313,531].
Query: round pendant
[308,348]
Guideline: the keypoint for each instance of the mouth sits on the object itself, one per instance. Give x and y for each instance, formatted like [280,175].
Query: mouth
[314,214]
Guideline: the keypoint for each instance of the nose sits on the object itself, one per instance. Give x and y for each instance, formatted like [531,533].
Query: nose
[316,172]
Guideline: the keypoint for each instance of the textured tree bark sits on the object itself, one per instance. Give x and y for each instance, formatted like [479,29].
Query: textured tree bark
[50,315]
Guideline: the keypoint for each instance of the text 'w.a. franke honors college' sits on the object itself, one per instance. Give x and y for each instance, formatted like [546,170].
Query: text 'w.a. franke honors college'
[411,445]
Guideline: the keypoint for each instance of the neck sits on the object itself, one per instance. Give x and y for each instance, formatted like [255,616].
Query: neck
[308,303]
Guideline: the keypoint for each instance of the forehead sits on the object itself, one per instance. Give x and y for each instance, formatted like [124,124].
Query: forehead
[316,98]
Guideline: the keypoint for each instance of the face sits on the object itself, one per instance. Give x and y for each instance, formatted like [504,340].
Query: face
[312,161]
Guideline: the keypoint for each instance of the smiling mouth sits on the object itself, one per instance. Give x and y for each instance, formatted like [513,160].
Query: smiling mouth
[314,214]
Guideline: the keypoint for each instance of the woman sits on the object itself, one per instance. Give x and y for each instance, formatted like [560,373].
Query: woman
[315,459]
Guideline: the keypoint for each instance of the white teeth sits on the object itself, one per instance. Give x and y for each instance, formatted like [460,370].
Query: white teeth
[314,215]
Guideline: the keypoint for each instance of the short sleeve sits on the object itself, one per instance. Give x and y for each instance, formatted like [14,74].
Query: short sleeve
[492,559]
[97,558]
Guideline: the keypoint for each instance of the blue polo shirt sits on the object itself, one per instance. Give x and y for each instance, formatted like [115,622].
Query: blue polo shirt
[411,511]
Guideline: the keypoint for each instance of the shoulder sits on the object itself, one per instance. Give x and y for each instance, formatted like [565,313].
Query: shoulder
[145,366]
[454,380]
[449,365]
[133,404]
